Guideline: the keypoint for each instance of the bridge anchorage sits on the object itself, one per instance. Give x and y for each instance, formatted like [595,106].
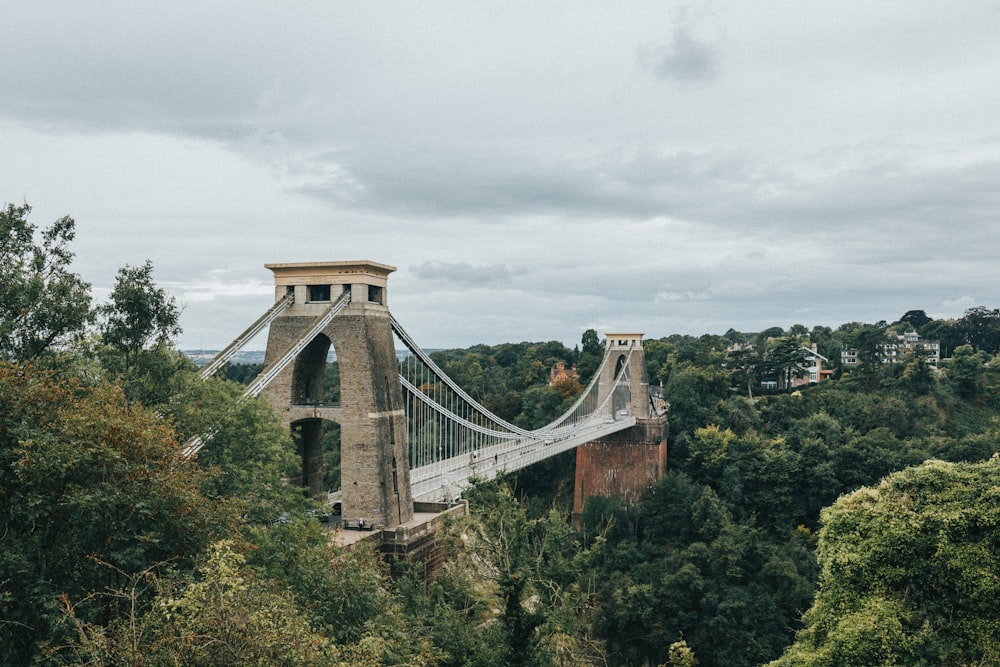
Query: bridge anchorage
[409,436]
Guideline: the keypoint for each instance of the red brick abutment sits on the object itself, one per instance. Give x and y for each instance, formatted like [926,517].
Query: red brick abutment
[622,465]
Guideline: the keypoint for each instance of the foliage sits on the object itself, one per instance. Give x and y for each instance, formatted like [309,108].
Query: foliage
[591,354]
[221,615]
[136,329]
[915,318]
[114,549]
[869,341]
[346,591]
[42,304]
[785,361]
[248,450]
[686,567]
[139,314]
[980,328]
[536,571]
[965,372]
[86,478]
[910,572]
[681,655]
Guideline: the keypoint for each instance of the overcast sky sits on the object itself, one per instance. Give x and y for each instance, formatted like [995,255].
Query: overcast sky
[533,169]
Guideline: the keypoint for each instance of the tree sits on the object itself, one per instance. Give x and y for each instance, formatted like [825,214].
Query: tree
[591,343]
[568,387]
[980,328]
[224,615]
[909,572]
[590,355]
[681,655]
[694,393]
[772,332]
[689,569]
[708,448]
[139,314]
[245,444]
[915,318]
[42,303]
[943,331]
[136,328]
[93,491]
[506,406]
[965,371]
[659,359]
[745,364]
[536,572]
[870,342]
[917,375]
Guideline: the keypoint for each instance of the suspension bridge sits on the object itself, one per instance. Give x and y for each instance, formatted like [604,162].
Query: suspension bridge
[409,433]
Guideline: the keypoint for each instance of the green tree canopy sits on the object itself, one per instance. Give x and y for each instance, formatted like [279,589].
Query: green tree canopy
[92,490]
[910,572]
[980,327]
[915,318]
[42,303]
[139,313]
[136,326]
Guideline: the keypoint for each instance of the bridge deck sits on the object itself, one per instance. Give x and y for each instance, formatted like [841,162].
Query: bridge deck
[445,480]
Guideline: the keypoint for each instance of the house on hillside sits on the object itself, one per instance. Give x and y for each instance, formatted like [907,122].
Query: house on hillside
[816,369]
[560,372]
[812,370]
[812,373]
[897,349]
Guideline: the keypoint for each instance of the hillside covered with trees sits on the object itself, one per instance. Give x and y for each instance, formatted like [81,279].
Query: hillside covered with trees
[851,521]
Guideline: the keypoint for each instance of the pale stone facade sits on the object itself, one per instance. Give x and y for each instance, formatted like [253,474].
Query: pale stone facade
[374,468]
[623,353]
[626,464]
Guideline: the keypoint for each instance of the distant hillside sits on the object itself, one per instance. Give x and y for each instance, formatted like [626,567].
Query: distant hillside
[202,357]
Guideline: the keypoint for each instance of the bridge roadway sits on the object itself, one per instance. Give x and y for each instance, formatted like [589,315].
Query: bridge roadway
[446,480]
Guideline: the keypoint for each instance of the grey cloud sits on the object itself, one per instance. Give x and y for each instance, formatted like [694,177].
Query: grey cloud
[683,58]
[436,181]
[531,155]
[725,190]
[463,273]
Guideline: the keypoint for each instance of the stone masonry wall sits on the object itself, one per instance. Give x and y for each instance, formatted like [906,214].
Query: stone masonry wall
[623,465]
[374,466]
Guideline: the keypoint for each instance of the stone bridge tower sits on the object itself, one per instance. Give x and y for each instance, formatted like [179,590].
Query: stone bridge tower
[375,477]
[625,464]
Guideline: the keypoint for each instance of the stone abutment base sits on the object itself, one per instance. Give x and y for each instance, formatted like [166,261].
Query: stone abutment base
[624,465]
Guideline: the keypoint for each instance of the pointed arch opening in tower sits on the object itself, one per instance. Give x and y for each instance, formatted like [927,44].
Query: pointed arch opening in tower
[316,382]
[317,441]
[310,371]
[619,365]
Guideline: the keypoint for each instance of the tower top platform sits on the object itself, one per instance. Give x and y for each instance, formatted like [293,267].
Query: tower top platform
[331,273]
[624,339]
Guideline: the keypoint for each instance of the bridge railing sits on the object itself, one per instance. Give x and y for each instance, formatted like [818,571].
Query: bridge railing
[448,449]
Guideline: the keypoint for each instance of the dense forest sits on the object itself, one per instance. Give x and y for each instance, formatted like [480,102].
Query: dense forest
[848,522]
